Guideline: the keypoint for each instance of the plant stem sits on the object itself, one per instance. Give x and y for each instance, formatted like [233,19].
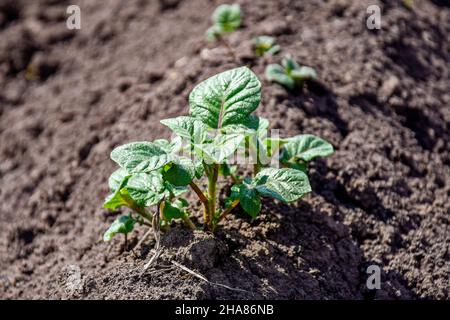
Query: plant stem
[212,194]
[203,199]
[189,223]
[256,169]
[142,211]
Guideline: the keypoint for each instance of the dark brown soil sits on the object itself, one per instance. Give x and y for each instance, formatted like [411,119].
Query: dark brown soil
[68,97]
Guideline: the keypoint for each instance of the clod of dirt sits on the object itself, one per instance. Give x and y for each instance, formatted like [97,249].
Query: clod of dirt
[197,250]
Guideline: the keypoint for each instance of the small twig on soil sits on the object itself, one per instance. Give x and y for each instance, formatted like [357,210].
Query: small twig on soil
[157,234]
[198,275]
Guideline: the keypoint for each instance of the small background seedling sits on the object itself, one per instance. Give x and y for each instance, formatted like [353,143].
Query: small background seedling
[226,19]
[290,74]
[265,45]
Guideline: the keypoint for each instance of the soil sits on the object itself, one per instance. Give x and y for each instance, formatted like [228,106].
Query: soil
[67,98]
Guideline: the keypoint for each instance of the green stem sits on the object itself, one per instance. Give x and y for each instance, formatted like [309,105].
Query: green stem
[189,223]
[212,197]
[256,168]
[203,199]
[142,211]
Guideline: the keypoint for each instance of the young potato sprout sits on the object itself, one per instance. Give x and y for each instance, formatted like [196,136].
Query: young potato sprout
[290,75]
[226,19]
[265,45]
[220,124]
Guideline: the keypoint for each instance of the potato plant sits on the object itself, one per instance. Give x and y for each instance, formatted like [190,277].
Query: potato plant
[226,19]
[220,125]
[265,45]
[289,74]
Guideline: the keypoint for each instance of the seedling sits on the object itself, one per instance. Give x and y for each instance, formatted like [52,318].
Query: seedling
[226,19]
[290,74]
[265,45]
[220,124]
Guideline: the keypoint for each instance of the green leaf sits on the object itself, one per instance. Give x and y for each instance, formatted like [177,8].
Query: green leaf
[189,128]
[222,147]
[276,73]
[173,211]
[304,73]
[213,33]
[283,184]
[305,147]
[140,156]
[123,224]
[249,198]
[117,178]
[181,203]
[227,170]
[289,65]
[263,128]
[227,18]
[226,98]
[265,44]
[175,191]
[181,172]
[146,189]
[114,201]
[117,181]
[169,147]
[199,168]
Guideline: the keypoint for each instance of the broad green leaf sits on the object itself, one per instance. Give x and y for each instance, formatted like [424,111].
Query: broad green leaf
[181,172]
[114,201]
[304,73]
[226,98]
[169,147]
[189,128]
[146,189]
[276,73]
[263,128]
[140,156]
[175,191]
[220,149]
[249,198]
[227,17]
[117,178]
[283,184]
[238,129]
[123,224]
[117,181]
[150,164]
[173,210]
[181,203]
[305,147]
